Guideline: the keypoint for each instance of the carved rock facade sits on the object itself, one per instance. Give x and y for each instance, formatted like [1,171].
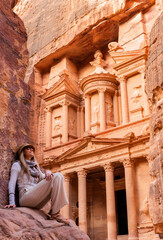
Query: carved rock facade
[90,113]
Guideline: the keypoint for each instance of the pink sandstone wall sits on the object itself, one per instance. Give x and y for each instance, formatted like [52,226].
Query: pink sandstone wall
[154,88]
[15,95]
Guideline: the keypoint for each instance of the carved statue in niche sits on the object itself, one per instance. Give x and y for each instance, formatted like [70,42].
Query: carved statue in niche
[136,96]
[95,115]
[57,125]
[72,124]
[114,46]
[109,111]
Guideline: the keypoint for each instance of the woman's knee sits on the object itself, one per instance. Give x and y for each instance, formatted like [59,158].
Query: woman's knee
[58,176]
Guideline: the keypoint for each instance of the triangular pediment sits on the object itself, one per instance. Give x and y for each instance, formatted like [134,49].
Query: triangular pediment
[121,57]
[64,85]
[90,145]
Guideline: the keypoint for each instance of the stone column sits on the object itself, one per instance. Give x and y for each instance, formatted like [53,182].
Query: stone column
[78,122]
[131,199]
[102,109]
[66,208]
[65,122]
[115,107]
[110,202]
[124,100]
[87,113]
[48,126]
[82,199]
[82,121]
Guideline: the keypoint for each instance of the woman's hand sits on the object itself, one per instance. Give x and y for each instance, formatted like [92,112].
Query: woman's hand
[48,175]
[10,206]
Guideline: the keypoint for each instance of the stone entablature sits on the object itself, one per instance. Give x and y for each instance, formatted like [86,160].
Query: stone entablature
[92,151]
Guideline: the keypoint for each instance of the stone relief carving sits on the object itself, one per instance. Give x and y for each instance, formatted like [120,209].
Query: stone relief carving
[57,125]
[137,94]
[115,46]
[144,211]
[145,130]
[72,122]
[95,115]
[109,111]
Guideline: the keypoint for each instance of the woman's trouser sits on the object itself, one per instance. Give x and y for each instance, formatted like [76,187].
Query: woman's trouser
[45,190]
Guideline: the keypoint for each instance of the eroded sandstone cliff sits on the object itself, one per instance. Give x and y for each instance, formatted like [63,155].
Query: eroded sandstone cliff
[15,95]
[154,88]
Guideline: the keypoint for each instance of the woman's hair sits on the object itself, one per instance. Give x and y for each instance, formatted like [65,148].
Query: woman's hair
[24,167]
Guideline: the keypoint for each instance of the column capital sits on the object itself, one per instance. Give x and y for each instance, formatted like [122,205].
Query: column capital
[101,89]
[66,177]
[109,167]
[78,108]
[116,93]
[86,95]
[128,163]
[48,109]
[82,173]
[122,79]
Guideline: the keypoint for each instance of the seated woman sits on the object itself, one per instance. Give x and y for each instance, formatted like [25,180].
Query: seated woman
[36,188]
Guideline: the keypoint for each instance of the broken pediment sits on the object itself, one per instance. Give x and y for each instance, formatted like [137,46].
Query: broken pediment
[63,86]
[122,56]
[90,145]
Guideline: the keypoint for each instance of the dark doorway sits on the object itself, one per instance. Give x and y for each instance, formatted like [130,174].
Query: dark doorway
[122,226]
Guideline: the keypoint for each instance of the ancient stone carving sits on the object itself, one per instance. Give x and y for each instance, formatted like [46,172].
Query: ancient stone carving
[57,124]
[109,167]
[99,63]
[145,130]
[82,173]
[136,96]
[115,46]
[95,112]
[128,163]
[109,111]
[145,207]
[72,122]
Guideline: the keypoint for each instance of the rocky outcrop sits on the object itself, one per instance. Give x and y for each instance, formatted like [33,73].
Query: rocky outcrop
[15,95]
[67,27]
[25,223]
[154,89]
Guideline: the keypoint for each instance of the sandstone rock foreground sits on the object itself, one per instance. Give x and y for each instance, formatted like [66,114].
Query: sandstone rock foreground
[25,223]
[15,95]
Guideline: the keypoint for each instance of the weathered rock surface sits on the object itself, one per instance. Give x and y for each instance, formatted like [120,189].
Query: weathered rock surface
[63,23]
[25,223]
[15,96]
[154,88]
